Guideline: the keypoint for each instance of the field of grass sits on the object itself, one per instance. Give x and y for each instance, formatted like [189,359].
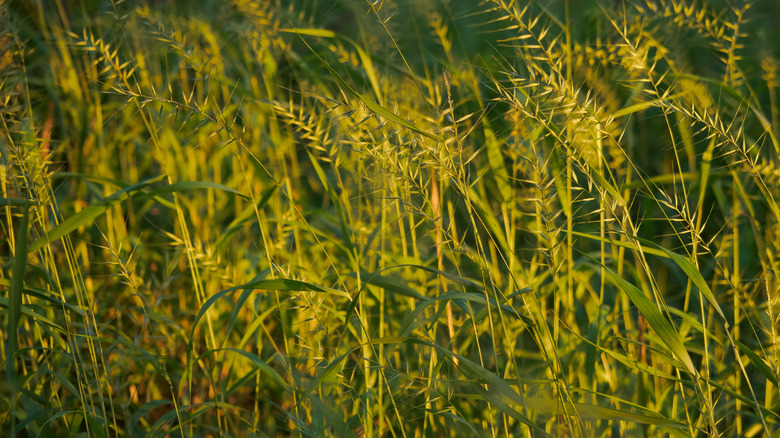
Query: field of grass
[398,218]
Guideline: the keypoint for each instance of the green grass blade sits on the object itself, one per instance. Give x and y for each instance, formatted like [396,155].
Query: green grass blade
[496,161]
[634,365]
[693,274]
[16,202]
[182,186]
[657,321]
[259,363]
[248,213]
[365,58]
[389,115]
[345,230]
[759,363]
[468,285]
[388,283]
[47,296]
[332,418]
[15,296]
[32,314]
[89,214]
[684,263]
[590,411]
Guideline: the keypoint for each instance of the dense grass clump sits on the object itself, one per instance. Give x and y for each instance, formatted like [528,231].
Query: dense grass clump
[392,218]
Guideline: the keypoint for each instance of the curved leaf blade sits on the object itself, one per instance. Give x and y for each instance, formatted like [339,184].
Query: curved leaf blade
[657,321]
[89,214]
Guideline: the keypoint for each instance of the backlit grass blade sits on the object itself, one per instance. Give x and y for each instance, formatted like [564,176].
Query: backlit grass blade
[757,362]
[496,160]
[322,33]
[32,314]
[47,296]
[249,212]
[346,234]
[690,270]
[591,411]
[633,364]
[639,107]
[259,363]
[657,321]
[488,219]
[684,263]
[89,214]
[334,419]
[389,115]
[388,283]
[183,186]
[15,296]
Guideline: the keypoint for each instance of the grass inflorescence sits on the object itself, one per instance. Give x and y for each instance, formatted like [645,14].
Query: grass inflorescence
[390,218]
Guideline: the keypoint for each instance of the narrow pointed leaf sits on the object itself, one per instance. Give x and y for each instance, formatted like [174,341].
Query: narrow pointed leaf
[657,321]
[89,214]
[759,363]
[15,299]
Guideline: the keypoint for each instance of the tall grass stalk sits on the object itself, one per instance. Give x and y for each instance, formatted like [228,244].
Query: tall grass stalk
[389,218]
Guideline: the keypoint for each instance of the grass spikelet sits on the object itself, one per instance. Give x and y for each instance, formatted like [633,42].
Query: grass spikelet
[389,218]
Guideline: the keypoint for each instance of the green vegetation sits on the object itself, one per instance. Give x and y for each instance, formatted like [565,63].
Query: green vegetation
[393,218]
